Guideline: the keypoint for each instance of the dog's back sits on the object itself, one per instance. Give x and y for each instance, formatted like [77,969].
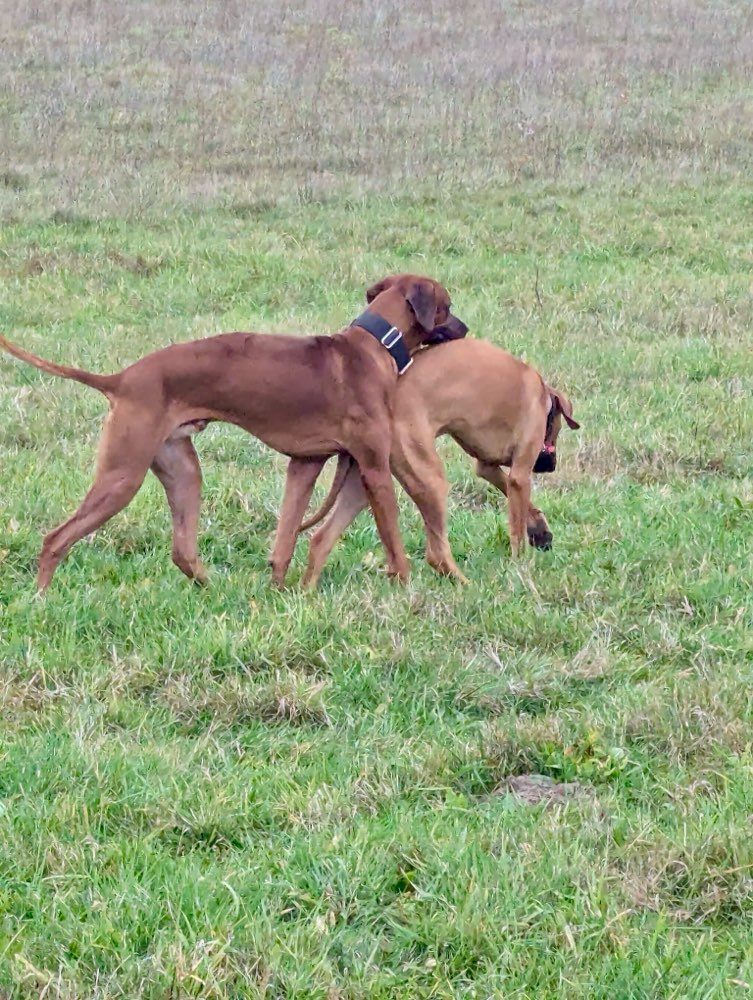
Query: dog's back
[478,393]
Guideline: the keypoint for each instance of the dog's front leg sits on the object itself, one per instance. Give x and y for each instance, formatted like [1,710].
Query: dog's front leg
[374,466]
[420,470]
[537,525]
[518,499]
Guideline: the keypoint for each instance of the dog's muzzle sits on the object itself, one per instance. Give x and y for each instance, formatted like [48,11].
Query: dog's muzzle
[547,459]
[453,329]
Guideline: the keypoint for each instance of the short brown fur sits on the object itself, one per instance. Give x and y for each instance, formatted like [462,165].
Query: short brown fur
[495,406]
[307,397]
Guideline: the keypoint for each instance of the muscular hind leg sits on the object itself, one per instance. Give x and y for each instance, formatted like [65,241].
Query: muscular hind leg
[351,500]
[176,465]
[299,485]
[125,452]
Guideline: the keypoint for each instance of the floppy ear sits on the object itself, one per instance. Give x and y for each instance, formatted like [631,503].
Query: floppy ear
[377,289]
[422,298]
[565,407]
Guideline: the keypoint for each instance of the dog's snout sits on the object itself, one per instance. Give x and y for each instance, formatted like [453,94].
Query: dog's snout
[546,461]
[458,327]
[453,329]
[542,541]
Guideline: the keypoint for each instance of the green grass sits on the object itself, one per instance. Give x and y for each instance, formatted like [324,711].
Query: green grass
[238,792]
[235,790]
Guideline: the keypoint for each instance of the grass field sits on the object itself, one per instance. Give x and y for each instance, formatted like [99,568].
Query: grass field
[237,792]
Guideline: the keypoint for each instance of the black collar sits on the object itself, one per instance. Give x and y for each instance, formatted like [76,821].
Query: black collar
[388,336]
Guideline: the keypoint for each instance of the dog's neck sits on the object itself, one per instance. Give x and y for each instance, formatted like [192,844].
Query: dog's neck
[389,336]
[392,306]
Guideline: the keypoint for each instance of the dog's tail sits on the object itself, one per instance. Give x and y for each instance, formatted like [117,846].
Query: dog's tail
[105,384]
[344,465]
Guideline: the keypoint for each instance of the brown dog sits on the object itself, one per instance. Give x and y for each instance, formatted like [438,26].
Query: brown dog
[307,397]
[497,408]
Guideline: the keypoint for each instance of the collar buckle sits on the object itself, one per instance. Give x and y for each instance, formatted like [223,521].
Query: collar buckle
[390,338]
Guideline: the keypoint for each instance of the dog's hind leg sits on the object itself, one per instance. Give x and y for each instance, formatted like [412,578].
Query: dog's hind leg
[537,526]
[123,462]
[299,485]
[176,465]
[350,502]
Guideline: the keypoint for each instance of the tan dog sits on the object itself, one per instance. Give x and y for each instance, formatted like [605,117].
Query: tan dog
[308,397]
[497,408]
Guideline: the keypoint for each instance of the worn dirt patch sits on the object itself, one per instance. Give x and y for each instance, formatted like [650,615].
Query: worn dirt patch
[536,788]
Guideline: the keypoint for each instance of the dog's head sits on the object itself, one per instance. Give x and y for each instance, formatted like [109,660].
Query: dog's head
[423,306]
[560,407]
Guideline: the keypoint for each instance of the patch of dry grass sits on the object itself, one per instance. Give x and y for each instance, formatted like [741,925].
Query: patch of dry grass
[132,108]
